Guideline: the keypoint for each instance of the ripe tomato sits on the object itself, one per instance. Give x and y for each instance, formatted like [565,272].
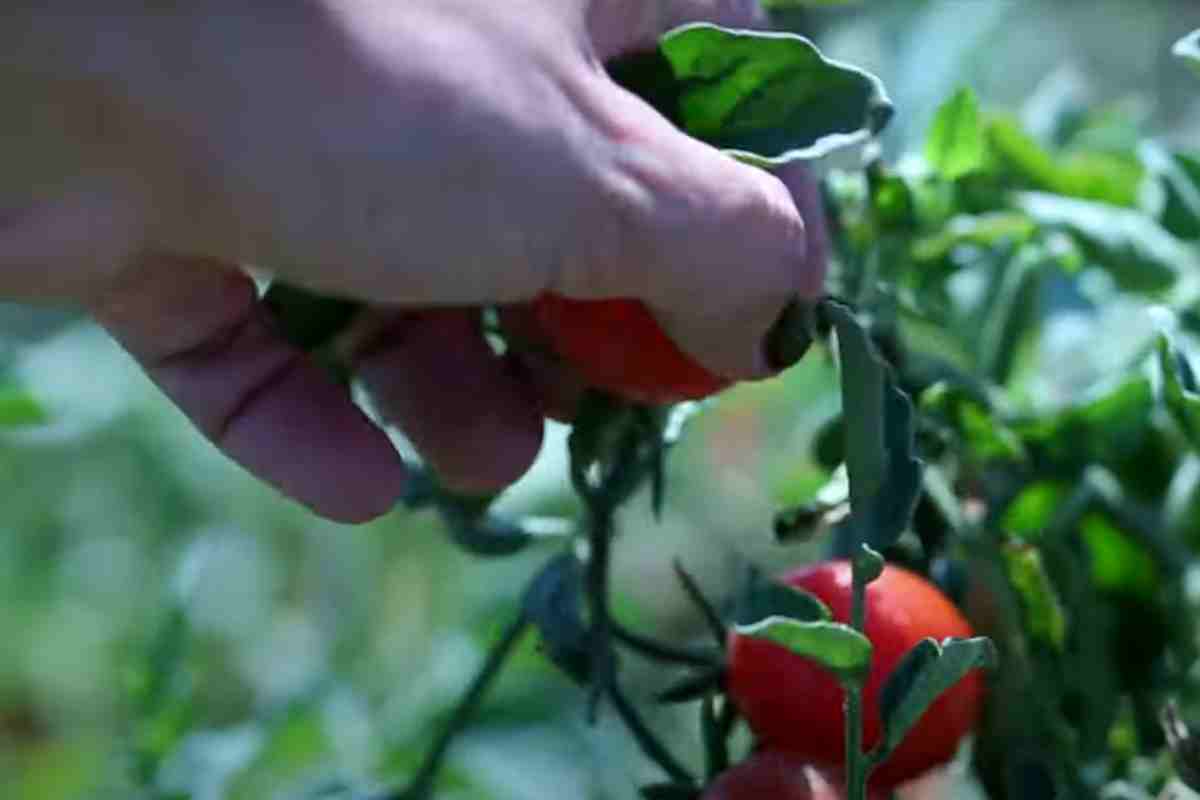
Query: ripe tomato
[779,776]
[617,345]
[793,704]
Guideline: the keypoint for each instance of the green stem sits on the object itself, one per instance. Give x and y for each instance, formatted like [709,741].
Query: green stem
[600,541]
[422,784]
[857,765]
[645,738]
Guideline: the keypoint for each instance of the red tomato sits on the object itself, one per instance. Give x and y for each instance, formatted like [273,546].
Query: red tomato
[617,345]
[793,704]
[778,776]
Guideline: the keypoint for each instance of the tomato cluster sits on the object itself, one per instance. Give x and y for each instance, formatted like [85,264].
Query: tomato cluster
[795,706]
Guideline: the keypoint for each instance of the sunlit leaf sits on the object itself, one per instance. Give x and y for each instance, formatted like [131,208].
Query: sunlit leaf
[955,145]
[838,648]
[19,409]
[1023,163]
[766,97]
[1119,564]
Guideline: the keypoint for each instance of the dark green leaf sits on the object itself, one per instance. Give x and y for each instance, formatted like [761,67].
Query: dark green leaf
[1106,426]
[774,599]
[829,443]
[838,648]
[552,605]
[1178,389]
[1179,174]
[1132,247]
[955,145]
[884,472]
[986,437]
[767,97]
[923,675]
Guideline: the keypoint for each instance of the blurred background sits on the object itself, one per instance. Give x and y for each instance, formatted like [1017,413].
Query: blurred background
[171,628]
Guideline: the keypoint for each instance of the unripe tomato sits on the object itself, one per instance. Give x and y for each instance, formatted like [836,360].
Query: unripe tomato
[779,776]
[794,705]
[617,345]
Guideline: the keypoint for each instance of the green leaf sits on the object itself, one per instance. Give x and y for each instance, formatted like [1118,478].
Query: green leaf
[838,648]
[1131,246]
[1108,424]
[1188,48]
[1090,175]
[1179,175]
[1031,512]
[19,409]
[884,472]
[766,97]
[1045,618]
[956,145]
[1179,389]
[986,438]
[552,604]
[921,677]
[774,599]
[1119,565]
[990,230]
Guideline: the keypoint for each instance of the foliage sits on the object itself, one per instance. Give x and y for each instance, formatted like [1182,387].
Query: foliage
[1015,315]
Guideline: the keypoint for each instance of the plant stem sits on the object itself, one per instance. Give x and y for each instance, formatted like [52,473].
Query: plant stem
[422,784]
[600,541]
[663,651]
[647,741]
[857,765]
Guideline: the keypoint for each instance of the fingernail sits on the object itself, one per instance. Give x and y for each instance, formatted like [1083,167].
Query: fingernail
[791,336]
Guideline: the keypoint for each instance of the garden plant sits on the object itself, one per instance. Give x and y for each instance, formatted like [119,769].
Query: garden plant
[1007,543]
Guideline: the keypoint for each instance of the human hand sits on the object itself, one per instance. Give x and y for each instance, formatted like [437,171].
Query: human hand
[426,157]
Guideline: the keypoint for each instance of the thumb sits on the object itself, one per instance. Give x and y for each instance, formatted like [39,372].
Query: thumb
[715,248]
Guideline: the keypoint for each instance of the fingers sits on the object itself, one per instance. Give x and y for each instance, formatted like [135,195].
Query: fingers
[61,248]
[716,248]
[200,333]
[474,418]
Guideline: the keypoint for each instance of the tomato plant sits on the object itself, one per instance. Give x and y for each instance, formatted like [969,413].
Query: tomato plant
[795,705]
[1001,399]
